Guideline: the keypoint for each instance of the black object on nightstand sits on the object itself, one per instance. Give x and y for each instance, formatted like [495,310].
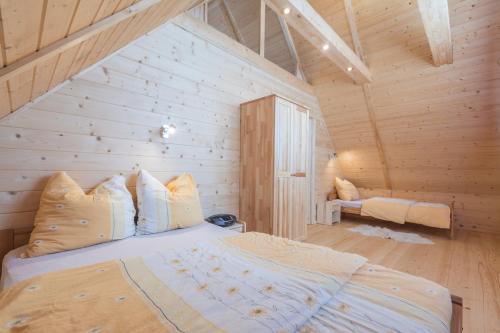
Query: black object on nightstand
[222,220]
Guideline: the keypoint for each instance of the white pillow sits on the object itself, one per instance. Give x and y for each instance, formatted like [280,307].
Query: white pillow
[346,190]
[153,215]
[163,208]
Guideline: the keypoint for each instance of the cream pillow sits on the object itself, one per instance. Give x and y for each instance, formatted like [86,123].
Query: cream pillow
[346,190]
[67,218]
[165,208]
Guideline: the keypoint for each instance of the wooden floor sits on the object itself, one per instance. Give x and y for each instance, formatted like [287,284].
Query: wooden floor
[469,265]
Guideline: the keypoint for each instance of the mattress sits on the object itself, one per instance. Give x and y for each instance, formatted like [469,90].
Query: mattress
[15,269]
[350,204]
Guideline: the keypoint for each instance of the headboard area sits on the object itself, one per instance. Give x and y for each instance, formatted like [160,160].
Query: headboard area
[6,242]
[11,239]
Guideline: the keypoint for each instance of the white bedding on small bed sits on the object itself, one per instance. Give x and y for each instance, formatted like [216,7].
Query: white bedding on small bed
[402,210]
[15,269]
[350,204]
[387,209]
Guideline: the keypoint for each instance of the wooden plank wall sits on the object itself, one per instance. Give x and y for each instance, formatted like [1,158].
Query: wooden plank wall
[438,125]
[107,120]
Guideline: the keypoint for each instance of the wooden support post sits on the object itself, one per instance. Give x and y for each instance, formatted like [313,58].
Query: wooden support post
[367,92]
[351,20]
[262,30]
[205,11]
[370,108]
[234,26]
[291,47]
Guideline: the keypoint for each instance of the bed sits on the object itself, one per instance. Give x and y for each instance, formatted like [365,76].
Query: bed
[402,211]
[210,279]
[15,269]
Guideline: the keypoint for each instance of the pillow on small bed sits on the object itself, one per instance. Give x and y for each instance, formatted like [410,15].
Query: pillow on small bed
[166,208]
[346,190]
[67,218]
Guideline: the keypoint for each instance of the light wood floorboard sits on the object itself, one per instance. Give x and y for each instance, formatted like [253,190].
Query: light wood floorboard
[469,265]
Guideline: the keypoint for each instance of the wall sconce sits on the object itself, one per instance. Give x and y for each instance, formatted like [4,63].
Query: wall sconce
[332,156]
[167,131]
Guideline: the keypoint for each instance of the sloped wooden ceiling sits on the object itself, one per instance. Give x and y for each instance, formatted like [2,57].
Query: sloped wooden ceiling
[246,16]
[31,27]
[439,126]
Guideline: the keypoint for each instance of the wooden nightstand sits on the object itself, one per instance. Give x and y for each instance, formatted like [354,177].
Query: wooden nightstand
[332,212]
[239,226]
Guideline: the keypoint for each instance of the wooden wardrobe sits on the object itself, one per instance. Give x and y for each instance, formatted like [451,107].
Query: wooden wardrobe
[274,183]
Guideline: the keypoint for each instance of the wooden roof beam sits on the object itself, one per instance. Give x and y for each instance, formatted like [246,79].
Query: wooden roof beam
[291,47]
[367,93]
[436,19]
[232,22]
[76,38]
[318,32]
[262,29]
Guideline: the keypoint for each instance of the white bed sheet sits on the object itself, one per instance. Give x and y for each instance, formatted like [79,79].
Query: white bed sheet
[350,204]
[15,269]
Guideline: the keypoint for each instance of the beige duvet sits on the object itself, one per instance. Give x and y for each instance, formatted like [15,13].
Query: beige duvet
[402,210]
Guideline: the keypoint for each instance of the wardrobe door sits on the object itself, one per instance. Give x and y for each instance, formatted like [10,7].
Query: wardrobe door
[299,136]
[283,136]
[283,207]
[291,195]
[291,207]
[283,151]
[299,185]
[297,228]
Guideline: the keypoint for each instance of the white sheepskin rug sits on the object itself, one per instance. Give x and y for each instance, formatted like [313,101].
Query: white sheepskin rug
[405,237]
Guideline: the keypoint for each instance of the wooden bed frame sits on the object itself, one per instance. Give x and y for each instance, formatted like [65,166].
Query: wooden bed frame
[357,213]
[13,238]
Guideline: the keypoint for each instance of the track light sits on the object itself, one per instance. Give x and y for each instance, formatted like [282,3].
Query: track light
[326,47]
[286,11]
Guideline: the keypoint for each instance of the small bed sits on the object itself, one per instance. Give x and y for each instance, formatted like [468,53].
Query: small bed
[348,292]
[402,211]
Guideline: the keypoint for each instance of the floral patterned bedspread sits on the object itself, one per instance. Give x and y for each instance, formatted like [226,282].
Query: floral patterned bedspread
[247,283]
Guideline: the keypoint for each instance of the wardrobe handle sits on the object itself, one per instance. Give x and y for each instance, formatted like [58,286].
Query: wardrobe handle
[298,174]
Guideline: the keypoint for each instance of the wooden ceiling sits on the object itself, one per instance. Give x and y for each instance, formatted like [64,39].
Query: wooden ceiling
[438,127]
[45,42]
[245,23]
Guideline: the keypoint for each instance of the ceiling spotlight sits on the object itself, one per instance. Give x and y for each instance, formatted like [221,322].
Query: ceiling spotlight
[326,47]
[286,11]
[349,69]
